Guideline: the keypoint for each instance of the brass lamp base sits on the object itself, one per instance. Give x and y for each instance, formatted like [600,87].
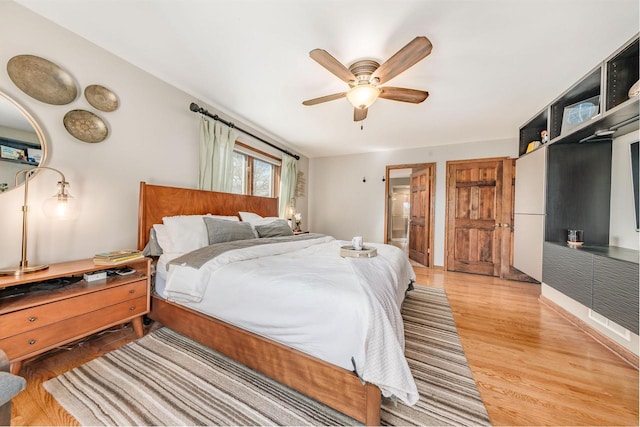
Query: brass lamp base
[17,271]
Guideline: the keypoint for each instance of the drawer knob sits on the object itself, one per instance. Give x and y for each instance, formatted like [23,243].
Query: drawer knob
[32,319]
[32,342]
[133,307]
[132,291]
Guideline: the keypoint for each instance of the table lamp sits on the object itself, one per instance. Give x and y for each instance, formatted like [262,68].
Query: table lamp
[60,206]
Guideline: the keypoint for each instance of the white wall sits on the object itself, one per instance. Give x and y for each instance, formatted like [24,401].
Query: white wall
[343,206]
[622,231]
[153,138]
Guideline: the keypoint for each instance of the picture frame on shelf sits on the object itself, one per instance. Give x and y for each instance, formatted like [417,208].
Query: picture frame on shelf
[34,155]
[576,114]
[12,153]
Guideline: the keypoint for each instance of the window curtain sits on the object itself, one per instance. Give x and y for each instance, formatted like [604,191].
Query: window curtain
[216,156]
[288,176]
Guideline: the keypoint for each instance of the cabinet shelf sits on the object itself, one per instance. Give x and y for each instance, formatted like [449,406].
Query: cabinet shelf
[621,73]
[23,162]
[25,146]
[531,130]
[605,126]
[617,113]
[588,87]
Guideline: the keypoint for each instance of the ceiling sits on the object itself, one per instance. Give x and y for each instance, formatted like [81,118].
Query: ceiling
[494,64]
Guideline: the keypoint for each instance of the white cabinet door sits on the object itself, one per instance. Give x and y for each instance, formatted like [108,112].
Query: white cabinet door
[528,238]
[531,171]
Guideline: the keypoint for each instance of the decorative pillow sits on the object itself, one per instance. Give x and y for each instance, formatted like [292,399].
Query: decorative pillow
[187,232]
[255,219]
[265,220]
[162,237]
[220,230]
[152,248]
[276,228]
[226,217]
[249,216]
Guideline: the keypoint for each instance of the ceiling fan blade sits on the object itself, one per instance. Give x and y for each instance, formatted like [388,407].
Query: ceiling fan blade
[359,114]
[323,58]
[401,94]
[406,57]
[326,98]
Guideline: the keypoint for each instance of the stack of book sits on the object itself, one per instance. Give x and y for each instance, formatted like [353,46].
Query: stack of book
[117,257]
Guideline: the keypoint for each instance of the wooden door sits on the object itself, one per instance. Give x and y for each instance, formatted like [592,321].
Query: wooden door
[418,218]
[479,216]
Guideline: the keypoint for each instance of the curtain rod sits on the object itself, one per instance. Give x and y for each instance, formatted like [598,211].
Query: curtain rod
[197,109]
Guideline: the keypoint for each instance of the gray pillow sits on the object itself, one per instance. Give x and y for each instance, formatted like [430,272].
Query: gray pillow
[153,247]
[275,228]
[222,230]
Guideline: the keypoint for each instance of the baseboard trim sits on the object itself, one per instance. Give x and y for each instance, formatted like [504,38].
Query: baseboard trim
[625,354]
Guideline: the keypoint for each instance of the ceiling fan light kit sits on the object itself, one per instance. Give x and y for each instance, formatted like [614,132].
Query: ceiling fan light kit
[365,76]
[362,96]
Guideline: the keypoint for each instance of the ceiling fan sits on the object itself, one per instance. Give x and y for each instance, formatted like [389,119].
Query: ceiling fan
[365,76]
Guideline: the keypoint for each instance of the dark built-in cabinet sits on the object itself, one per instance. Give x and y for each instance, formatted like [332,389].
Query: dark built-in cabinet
[579,191]
[578,172]
[604,279]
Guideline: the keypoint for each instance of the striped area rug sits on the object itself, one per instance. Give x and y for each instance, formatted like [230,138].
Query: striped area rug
[448,393]
[167,379]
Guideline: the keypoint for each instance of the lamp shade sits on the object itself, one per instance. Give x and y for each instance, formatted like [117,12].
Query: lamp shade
[61,205]
[363,96]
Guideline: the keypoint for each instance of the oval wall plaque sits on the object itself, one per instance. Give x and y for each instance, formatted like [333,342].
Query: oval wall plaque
[42,79]
[101,98]
[85,126]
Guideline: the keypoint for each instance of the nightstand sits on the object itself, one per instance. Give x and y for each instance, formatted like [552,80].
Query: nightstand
[300,232]
[37,321]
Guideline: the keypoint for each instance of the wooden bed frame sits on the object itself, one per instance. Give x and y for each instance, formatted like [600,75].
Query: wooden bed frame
[334,386]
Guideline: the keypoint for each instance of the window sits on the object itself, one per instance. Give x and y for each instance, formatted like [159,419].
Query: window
[254,172]
[262,178]
[239,173]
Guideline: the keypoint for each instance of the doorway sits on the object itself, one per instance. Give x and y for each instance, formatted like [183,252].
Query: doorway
[409,207]
[399,205]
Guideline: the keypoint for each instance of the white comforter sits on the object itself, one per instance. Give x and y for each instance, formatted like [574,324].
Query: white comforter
[345,311]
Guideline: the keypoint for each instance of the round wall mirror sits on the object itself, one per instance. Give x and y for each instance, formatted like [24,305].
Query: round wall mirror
[22,143]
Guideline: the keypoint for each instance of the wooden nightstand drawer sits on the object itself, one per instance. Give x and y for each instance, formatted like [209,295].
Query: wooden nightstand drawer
[39,316]
[34,322]
[33,342]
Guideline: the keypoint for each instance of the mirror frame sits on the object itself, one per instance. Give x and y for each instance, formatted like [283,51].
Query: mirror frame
[39,133]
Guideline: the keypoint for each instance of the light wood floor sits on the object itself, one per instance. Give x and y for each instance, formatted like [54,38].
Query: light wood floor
[531,365]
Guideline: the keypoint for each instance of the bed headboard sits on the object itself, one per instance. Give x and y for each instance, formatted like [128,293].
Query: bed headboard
[157,201]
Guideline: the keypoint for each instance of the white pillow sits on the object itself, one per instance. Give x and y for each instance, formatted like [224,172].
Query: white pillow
[249,216]
[188,232]
[162,236]
[255,219]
